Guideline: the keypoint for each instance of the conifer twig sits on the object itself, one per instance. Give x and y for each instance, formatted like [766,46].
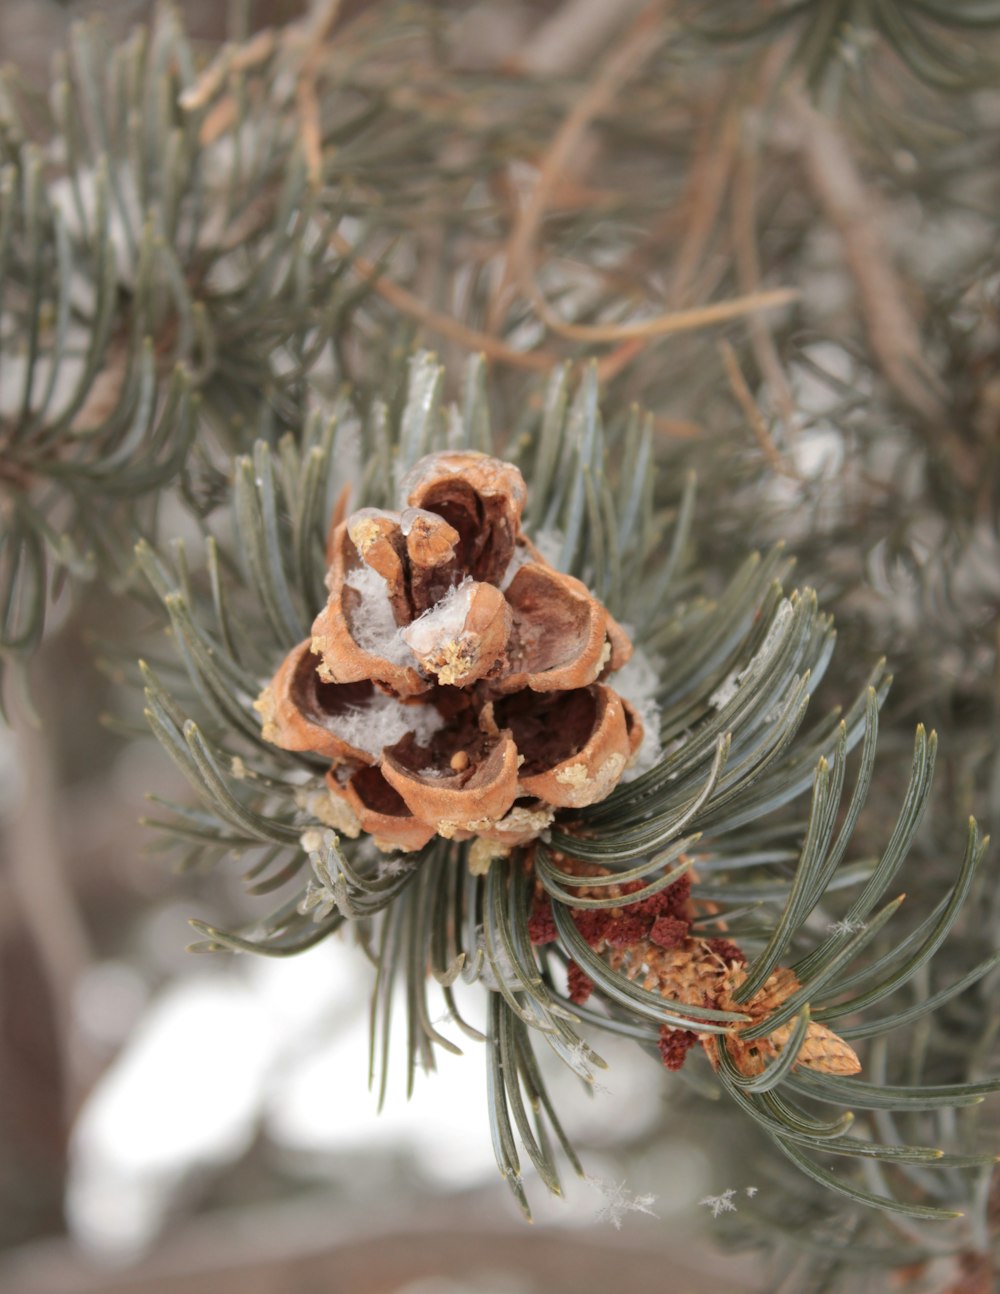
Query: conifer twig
[317,29]
[699,206]
[642,40]
[708,181]
[231,58]
[748,271]
[539,361]
[674,321]
[573,34]
[677,428]
[744,225]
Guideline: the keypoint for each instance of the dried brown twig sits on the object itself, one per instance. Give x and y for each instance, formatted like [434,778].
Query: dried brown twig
[758,425]
[708,180]
[642,39]
[445,325]
[744,230]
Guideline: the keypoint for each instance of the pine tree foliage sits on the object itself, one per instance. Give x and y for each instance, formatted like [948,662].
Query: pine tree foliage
[734,688]
[173,252]
[143,260]
[215,253]
[855,40]
[173,231]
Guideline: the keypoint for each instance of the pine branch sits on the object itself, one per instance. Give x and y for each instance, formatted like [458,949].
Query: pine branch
[941,44]
[731,702]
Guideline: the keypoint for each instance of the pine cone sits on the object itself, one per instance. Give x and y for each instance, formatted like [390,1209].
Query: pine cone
[822,1050]
[454,679]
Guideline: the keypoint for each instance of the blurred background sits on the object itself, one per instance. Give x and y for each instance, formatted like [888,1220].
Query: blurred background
[176,1124]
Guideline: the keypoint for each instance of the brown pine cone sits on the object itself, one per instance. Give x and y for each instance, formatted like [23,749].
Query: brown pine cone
[454,679]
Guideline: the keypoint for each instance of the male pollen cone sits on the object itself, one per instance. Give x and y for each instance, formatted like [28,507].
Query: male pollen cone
[456,682]
[655,943]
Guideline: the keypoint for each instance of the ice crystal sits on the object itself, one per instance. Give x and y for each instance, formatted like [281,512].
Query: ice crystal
[580,1059]
[619,1200]
[320,897]
[397,865]
[720,1204]
[373,626]
[846,926]
[637,682]
[383,721]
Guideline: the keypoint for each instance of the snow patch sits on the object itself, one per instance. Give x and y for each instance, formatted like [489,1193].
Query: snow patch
[440,624]
[731,684]
[726,690]
[383,721]
[550,544]
[637,682]
[373,626]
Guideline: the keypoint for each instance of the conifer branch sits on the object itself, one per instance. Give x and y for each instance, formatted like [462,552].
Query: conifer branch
[731,708]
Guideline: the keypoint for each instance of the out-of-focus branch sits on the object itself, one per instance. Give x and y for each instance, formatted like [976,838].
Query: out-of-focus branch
[708,180]
[434,321]
[44,894]
[838,188]
[755,419]
[571,36]
[641,40]
[675,321]
[744,229]
[639,43]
